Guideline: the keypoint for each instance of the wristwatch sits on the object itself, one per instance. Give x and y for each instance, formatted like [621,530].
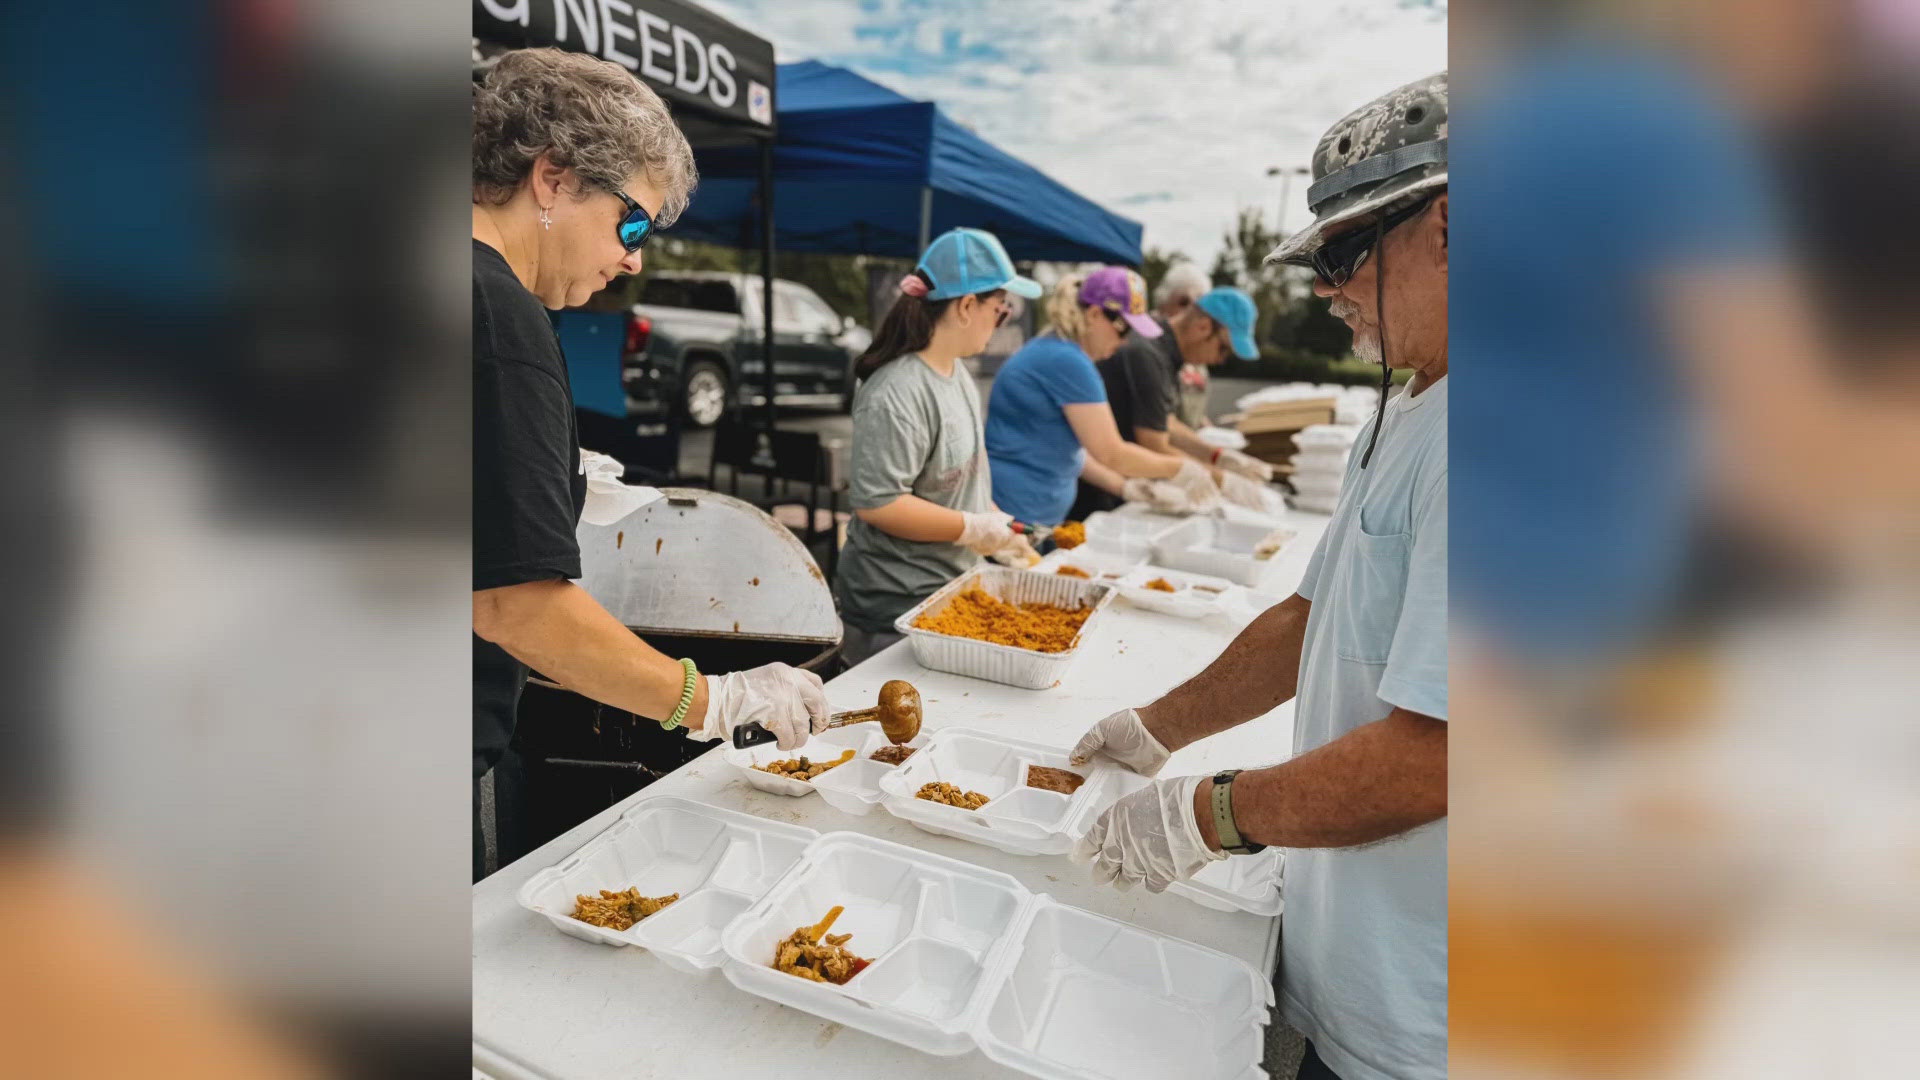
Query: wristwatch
[1231,841]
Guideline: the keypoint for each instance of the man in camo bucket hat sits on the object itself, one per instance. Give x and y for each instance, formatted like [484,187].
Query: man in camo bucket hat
[1379,160]
[1361,650]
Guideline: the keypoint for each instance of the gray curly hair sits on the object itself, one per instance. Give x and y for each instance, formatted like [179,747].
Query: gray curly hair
[584,113]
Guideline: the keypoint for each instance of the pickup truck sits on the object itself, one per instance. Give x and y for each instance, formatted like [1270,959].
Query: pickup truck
[693,341]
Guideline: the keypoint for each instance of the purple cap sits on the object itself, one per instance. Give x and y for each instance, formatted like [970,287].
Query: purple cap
[1123,292]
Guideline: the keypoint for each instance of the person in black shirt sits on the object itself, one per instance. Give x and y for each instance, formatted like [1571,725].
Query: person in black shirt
[1143,385]
[575,162]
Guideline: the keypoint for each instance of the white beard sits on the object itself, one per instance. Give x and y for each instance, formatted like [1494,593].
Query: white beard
[1367,347]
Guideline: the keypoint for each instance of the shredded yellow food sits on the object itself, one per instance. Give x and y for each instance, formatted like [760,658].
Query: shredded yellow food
[951,796]
[1161,584]
[1070,534]
[618,910]
[979,615]
[1072,571]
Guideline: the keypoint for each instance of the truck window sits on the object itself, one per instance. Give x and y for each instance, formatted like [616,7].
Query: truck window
[690,293]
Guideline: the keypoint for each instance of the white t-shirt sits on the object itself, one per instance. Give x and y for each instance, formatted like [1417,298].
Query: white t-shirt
[1364,963]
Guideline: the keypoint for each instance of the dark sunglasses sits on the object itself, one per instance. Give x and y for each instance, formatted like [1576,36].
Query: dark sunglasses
[1120,324]
[636,226]
[1338,259]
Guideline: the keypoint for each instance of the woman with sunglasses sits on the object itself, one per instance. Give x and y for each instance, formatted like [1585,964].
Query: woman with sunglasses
[1049,422]
[574,163]
[921,494]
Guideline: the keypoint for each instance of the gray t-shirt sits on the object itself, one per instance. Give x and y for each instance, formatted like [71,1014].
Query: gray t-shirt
[1364,973]
[914,433]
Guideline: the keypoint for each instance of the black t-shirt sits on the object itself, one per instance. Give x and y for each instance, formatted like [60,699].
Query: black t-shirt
[527,484]
[1143,380]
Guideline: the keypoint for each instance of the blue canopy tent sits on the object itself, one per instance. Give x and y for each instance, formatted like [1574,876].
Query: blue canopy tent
[860,169]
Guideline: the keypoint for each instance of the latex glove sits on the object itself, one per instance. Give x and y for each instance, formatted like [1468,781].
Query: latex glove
[1243,491]
[1149,836]
[1018,554]
[1246,465]
[1160,495]
[1124,738]
[785,700]
[1197,481]
[986,532]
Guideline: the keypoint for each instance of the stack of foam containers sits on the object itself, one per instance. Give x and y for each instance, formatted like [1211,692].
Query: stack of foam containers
[1320,465]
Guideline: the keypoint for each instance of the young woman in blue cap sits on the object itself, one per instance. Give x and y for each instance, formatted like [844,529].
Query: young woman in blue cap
[1049,421]
[921,493]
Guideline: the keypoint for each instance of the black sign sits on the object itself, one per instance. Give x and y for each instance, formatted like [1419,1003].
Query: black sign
[692,57]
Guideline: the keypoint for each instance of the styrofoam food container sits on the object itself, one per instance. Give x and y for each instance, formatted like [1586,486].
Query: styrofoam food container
[1199,595]
[1214,546]
[854,788]
[1101,565]
[1131,535]
[827,745]
[1006,664]
[1017,819]
[965,957]
[717,860]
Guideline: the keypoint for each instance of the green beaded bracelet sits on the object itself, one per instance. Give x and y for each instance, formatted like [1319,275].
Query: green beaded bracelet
[686,695]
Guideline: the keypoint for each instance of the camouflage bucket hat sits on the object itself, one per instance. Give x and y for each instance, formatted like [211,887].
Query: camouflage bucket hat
[1392,147]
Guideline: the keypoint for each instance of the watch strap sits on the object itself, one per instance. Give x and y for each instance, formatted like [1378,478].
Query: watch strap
[1223,824]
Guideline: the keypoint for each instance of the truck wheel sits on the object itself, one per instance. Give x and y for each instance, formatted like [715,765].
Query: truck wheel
[703,394]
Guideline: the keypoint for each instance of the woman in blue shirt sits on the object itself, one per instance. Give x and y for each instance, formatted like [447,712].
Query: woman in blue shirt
[1048,421]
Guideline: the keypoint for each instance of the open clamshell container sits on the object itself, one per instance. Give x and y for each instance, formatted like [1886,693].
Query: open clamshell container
[1025,668]
[965,958]
[1195,595]
[1017,819]
[717,860]
[1129,535]
[1097,565]
[850,787]
[1216,546]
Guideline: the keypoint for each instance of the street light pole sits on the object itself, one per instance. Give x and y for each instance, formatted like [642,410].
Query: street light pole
[1286,176]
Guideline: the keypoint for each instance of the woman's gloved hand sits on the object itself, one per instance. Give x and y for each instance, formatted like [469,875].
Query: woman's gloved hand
[1252,494]
[1018,554]
[1246,465]
[986,532]
[785,700]
[1162,496]
[1197,481]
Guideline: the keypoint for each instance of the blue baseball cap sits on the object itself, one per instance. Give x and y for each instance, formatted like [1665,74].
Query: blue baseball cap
[963,261]
[1233,309]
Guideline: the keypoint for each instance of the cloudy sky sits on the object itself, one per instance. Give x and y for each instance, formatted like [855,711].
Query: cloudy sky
[1167,111]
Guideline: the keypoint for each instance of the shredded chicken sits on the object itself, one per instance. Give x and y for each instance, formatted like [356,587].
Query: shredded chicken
[1070,534]
[1072,571]
[1161,584]
[812,953]
[1049,779]
[802,768]
[949,795]
[618,910]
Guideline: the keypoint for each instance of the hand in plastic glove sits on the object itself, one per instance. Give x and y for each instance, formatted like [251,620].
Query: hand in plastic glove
[987,532]
[1019,553]
[1246,465]
[1197,481]
[1124,738]
[1160,495]
[1149,836]
[1252,494]
[785,700]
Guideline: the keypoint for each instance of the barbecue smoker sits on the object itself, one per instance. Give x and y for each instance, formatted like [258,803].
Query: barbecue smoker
[697,574]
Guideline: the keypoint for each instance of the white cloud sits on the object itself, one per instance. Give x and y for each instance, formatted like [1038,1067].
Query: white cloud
[1168,113]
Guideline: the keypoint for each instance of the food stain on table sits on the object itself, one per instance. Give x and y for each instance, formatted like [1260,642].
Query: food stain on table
[827,1034]
[656,544]
[619,538]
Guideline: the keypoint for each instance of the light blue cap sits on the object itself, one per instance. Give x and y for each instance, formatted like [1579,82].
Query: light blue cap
[963,261]
[1233,309]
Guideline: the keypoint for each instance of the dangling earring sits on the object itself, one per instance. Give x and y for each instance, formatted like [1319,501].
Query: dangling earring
[545,221]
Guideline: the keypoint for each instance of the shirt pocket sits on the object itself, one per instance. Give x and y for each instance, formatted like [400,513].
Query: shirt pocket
[1376,588]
